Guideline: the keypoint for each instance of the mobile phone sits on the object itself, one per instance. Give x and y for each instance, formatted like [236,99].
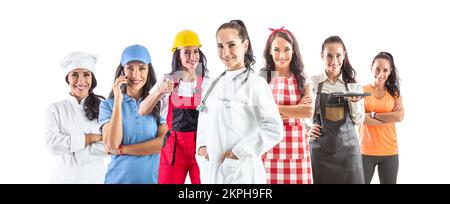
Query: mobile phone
[122,86]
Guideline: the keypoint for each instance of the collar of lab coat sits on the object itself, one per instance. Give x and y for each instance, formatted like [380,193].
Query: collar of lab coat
[74,101]
[231,74]
[323,77]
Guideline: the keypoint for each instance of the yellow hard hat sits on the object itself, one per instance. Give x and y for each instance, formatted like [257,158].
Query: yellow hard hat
[185,38]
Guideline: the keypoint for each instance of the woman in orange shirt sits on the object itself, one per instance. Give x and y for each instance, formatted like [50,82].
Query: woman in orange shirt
[378,138]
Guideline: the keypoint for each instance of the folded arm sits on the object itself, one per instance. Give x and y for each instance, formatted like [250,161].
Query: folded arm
[148,147]
[304,109]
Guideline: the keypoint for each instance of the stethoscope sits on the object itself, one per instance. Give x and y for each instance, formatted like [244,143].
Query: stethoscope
[202,106]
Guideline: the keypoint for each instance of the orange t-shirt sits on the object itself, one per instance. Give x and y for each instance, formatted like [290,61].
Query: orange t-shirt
[378,140]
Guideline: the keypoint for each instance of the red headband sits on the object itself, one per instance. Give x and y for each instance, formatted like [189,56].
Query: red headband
[274,31]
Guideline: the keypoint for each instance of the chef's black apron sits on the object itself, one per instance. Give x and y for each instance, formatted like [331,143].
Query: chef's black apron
[335,155]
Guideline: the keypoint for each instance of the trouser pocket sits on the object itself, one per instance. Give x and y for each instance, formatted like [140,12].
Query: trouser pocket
[168,149]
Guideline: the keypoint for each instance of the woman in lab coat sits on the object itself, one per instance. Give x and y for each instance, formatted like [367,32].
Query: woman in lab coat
[72,129]
[239,120]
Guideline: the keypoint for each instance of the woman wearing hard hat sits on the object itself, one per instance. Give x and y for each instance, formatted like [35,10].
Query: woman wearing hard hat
[180,93]
[239,120]
[133,140]
[72,128]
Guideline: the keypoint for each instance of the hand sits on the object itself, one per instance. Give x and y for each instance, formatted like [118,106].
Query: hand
[397,107]
[354,99]
[284,117]
[166,86]
[314,132]
[229,155]
[107,150]
[92,138]
[306,100]
[113,152]
[202,152]
[118,95]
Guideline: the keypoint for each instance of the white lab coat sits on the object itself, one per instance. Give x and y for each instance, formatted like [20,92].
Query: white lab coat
[249,125]
[66,126]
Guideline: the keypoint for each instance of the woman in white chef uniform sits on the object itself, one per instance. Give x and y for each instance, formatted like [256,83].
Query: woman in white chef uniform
[72,129]
[239,120]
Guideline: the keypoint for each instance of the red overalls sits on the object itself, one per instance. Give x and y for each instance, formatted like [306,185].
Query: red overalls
[178,151]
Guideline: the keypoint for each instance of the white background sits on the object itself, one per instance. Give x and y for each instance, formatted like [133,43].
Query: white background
[36,35]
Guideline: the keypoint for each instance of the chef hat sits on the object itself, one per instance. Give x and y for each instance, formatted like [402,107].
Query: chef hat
[76,60]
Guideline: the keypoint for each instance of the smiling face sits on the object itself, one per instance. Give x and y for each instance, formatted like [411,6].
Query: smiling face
[333,56]
[80,81]
[381,69]
[281,51]
[136,73]
[231,48]
[189,57]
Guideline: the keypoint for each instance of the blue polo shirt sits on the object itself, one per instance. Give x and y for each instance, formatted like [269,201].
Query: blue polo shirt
[136,129]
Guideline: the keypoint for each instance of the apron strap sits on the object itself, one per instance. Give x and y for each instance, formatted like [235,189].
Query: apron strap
[319,89]
[197,96]
[317,119]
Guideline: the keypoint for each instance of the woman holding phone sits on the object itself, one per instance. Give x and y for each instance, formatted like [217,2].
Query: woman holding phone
[133,140]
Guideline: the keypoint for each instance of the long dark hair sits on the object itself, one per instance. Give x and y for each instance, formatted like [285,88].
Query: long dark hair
[151,81]
[348,73]
[92,101]
[238,25]
[201,68]
[296,66]
[393,81]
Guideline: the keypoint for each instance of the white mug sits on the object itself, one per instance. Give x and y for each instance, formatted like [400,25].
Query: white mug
[354,87]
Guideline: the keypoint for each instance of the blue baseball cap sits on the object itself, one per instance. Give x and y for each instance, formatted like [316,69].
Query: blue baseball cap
[135,53]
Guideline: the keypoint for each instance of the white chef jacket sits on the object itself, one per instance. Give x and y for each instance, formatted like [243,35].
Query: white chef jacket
[66,126]
[245,120]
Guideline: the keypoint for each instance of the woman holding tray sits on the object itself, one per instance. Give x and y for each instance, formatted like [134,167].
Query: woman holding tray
[335,156]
